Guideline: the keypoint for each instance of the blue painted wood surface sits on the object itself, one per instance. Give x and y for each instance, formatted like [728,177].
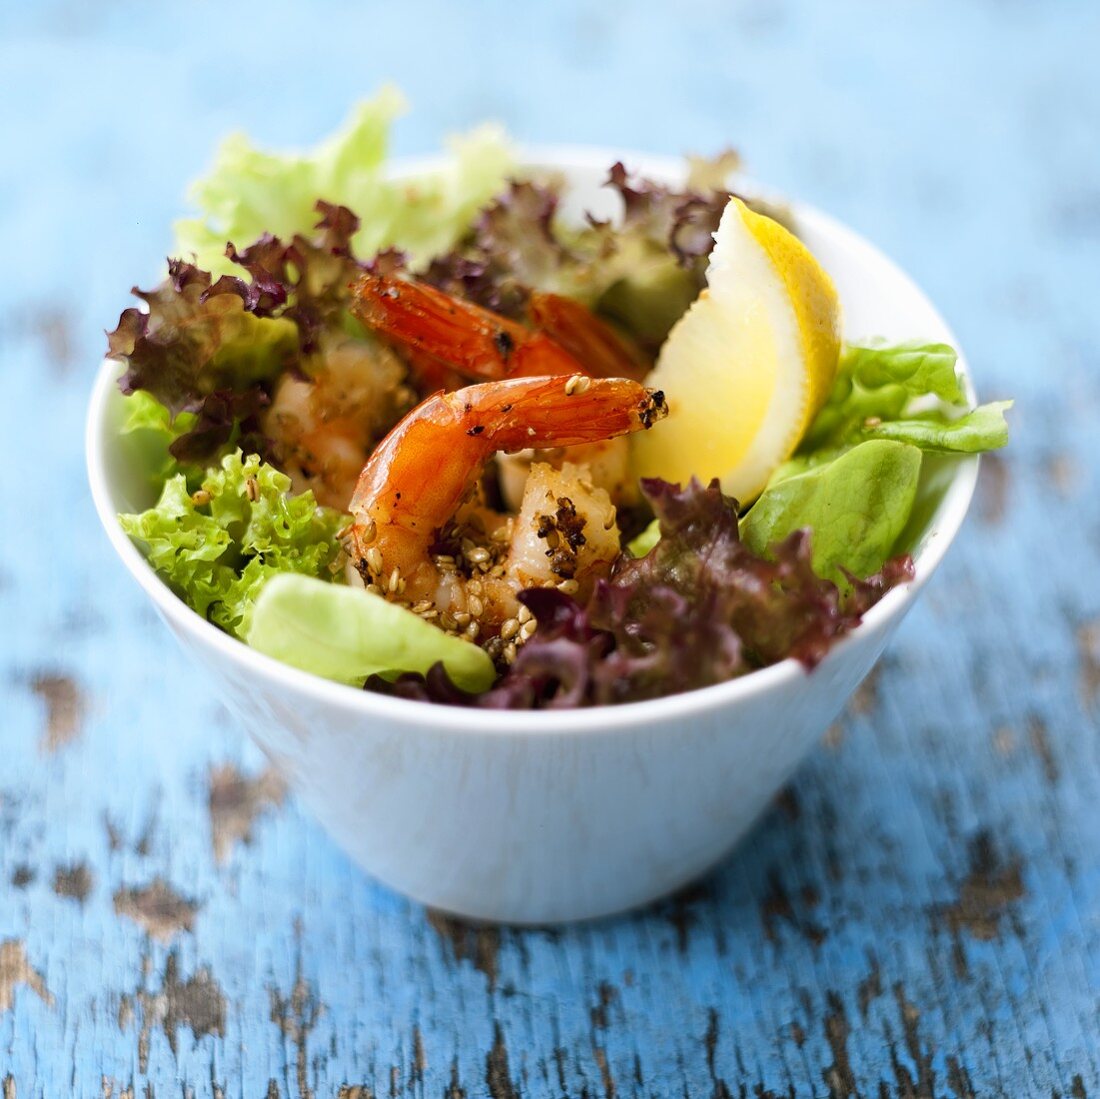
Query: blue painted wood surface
[920,912]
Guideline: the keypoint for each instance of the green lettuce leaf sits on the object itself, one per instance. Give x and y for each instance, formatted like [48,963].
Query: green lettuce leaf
[218,545]
[249,192]
[856,506]
[916,384]
[977,431]
[345,634]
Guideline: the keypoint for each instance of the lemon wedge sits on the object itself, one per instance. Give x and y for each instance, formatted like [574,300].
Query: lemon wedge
[748,366]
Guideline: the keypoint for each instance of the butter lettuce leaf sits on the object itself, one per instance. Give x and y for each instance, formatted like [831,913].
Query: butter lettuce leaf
[911,383]
[249,191]
[346,634]
[982,429]
[856,506]
[216,546]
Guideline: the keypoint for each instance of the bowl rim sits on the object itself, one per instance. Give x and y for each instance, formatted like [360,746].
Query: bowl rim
[945,524]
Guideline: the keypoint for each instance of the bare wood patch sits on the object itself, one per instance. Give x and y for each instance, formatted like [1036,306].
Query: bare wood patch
[1063,473]
[158,909]
[1088,650]
[497,1076]
[924,1086]
[1044,750]
[994,484]
[16,970]
[958,1079]
[777,906]
[787,801]
[22,876]
[53,328]
[66,708]
[480,945]
[125,1011]
[296,1016]
[865,697]
[870,988]
[455,1090]
[681,911]
[75,882]
[986,894]
[838,1076]
[710,1045]
[1004,741]
[197,1002]
[235,801]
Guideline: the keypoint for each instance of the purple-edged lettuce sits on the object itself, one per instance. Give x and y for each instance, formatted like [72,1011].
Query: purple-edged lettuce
[700,608]
[642,272]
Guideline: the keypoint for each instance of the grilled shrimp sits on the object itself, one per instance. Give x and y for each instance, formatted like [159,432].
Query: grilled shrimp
[565,337]
[420,534]
[447,339]
[324,426]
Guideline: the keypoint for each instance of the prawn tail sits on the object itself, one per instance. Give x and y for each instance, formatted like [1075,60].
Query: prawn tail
[586,337]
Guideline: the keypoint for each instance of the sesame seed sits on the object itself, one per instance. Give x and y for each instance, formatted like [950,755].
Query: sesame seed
[367,533]
[578,384]
[374,560]
[509,654]
[252,487]
[496,572]
[475,606]
[474,587]
[509,629]
[461,618]
[527,629]
[374,589]
[200,498]
[395,581]
[524,614]
[442,559]
[422,605]
[478,556]
[472,630]
[569,587]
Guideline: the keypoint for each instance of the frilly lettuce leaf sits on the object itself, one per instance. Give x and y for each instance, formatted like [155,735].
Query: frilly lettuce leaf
[218,545]
[346,634]
[642,272]
[211,351]
[249,191]
[699,609]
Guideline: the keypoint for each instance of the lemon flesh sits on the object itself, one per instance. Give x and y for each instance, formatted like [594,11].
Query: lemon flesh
[749,364]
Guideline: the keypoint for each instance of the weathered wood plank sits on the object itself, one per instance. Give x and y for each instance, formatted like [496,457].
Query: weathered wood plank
[919,913]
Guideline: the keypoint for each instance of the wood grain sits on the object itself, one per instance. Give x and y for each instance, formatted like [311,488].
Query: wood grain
[917,915]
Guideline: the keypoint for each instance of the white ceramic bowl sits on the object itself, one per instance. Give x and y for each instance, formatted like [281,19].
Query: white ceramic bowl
[543,817]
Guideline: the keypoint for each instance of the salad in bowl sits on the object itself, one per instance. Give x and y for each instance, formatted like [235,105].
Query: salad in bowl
[443,437]
[535,512]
